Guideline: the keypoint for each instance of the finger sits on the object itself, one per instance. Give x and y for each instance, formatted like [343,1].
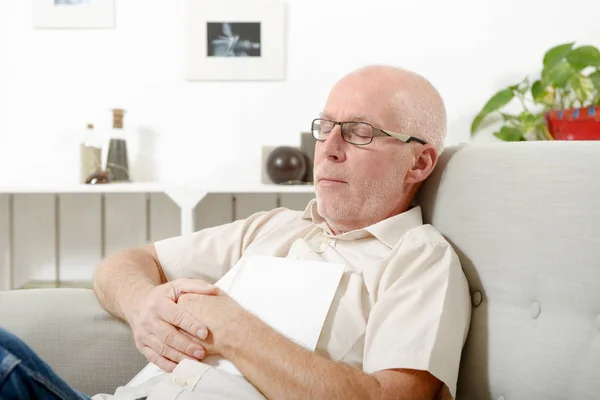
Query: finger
[155,358]
[181,318]
[166,351]
[187,285]
[175,338]
[204,343]
[208,344]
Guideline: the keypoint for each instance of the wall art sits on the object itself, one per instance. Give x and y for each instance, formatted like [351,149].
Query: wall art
[235,40]
[73,14]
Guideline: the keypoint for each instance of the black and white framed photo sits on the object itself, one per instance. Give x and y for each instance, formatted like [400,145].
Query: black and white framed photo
[235,40]
[73,14]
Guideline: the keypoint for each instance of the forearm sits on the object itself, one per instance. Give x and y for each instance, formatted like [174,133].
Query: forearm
[123,279]
[282,369]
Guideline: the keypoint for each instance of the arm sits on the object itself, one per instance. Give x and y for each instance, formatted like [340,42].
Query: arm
[125,278]
[131,285]
[282,369]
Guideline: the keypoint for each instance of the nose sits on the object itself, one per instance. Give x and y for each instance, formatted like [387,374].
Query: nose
[333,148]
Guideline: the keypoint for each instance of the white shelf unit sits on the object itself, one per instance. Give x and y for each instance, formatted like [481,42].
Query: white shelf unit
[56,234]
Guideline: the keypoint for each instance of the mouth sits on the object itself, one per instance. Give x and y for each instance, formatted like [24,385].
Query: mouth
[331,180]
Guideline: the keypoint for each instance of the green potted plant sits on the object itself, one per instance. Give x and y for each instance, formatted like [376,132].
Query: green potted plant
[563,103]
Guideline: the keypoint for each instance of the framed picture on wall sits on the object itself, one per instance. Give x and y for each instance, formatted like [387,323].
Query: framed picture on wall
[73,14]
[235,40]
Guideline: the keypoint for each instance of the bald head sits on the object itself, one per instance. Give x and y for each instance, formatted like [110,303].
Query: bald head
[416,106]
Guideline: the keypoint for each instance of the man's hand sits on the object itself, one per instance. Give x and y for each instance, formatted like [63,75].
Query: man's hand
[221,314]
[164,331]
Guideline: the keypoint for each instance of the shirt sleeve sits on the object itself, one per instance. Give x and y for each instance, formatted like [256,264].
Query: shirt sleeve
[421,318]
[209,253]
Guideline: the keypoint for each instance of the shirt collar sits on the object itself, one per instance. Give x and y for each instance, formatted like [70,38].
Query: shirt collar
[389,231]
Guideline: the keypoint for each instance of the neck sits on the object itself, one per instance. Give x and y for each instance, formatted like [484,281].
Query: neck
[341,226]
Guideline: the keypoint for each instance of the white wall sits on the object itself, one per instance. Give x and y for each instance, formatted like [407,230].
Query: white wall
[53,82]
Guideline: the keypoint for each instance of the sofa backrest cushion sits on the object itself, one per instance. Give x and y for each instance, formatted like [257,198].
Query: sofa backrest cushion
[524,218]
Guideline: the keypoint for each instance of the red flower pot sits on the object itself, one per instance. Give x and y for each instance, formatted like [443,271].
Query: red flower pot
[575,123]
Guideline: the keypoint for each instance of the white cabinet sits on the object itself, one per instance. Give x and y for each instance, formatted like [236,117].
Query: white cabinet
[55,235]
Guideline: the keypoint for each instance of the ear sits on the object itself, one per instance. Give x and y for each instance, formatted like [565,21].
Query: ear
[425,160]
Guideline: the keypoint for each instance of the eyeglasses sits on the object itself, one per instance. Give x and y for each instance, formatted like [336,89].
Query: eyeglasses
[357,133]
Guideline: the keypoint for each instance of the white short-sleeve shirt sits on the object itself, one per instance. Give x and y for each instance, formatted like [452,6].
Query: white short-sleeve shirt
[403,301]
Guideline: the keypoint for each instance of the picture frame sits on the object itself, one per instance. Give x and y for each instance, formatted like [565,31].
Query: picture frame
[73,14]
[235,40]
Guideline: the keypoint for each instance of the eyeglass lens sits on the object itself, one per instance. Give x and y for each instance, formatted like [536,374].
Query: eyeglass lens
[352,132]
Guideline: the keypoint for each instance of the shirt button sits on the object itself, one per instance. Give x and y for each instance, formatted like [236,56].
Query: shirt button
[180,381]
[476,299]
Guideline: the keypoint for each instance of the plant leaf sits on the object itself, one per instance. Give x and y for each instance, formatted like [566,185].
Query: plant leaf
[509,134]
[556,54]
[558,75]
[584,56]
[583,87]
[509,117]
[542,95]
[595,78]
[528,121]
[537,89]
[496,102]
[527,118]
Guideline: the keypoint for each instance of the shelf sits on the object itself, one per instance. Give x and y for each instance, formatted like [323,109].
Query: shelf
[81,188]
[153,188]
[261,188]
[54,285]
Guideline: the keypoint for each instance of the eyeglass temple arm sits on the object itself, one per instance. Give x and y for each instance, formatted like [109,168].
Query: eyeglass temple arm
[403,137]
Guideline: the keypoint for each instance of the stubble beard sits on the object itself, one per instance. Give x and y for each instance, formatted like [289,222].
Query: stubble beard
[361,203]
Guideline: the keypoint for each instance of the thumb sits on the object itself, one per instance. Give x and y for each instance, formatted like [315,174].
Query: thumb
[198,286]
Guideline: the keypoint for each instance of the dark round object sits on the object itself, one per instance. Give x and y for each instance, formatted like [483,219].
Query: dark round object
[286,164]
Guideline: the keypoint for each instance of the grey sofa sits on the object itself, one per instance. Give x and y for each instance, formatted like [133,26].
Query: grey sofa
[525,219]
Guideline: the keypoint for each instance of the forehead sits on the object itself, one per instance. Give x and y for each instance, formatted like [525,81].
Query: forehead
[352,102]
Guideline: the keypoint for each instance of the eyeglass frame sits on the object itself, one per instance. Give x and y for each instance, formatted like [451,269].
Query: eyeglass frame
[400,136]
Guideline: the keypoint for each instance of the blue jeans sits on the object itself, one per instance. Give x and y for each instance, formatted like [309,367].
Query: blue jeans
[24,375]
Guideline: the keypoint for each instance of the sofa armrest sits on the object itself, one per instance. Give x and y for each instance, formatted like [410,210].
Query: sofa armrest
[90,349]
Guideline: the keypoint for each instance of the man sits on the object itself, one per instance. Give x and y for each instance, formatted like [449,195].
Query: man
[400,315]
